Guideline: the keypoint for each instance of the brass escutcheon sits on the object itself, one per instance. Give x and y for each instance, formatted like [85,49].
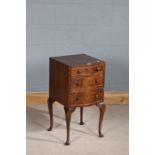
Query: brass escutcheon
[96,96]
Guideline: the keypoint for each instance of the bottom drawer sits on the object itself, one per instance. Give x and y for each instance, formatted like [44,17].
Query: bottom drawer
[86,98]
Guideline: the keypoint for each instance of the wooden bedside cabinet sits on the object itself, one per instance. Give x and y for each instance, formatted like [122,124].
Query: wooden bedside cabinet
[76,81]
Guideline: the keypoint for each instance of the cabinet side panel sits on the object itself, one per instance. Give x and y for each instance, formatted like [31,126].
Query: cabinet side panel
[104,70]
[58,81]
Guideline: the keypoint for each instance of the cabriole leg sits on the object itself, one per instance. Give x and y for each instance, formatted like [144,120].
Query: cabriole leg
[102,111]
[68,112]
[81,116]
[50,109]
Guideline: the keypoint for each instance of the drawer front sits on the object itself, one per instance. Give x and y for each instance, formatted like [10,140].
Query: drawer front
[79,83]
[87,69]
[86,98]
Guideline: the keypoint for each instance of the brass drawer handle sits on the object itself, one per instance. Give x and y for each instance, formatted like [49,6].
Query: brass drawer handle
[97,69]
[96,96]
[77,98]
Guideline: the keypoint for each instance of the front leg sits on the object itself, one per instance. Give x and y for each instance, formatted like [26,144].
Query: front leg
[102,110]
[68,112]
[50,109]
[81,116]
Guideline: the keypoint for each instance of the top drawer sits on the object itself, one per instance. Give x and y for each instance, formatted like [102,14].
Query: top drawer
[87,69]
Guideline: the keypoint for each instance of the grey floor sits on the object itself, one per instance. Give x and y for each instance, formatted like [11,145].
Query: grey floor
[84,139]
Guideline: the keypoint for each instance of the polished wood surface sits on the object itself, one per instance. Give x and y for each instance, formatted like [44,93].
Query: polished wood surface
[58,81]
[76,81]
[86,98]
[76,60]
[87,69]
[79,83]
[110,97]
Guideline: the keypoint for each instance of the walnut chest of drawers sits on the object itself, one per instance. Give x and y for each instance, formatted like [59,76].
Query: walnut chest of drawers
[76,81]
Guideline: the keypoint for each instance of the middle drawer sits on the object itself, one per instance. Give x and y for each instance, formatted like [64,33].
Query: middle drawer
[78,83]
